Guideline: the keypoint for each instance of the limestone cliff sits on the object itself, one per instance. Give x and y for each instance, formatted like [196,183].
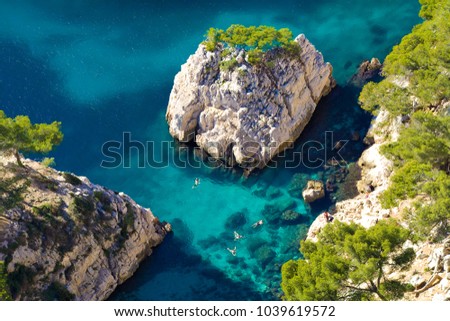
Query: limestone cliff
[63,237]
[243,113]
[430,271]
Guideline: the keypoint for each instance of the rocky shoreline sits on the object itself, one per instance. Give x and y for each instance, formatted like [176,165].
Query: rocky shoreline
[63,237]
[430,271]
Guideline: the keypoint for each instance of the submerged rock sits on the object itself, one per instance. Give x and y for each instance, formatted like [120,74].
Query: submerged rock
[272,212]
[264,255]
[270,192]
[247,113]
[291,217]
[255,243]
[236,220]
[273,193]
[314,190]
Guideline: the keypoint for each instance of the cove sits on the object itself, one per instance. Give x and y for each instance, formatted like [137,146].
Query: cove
[107,67]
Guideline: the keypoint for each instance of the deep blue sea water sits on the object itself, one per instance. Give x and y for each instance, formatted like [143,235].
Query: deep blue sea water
[107,67]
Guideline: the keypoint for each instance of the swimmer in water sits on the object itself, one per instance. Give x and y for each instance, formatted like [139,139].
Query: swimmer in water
[196,182]
[256,224]
[232,251]
[237,236]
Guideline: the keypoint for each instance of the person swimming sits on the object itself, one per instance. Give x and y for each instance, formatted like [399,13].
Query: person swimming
[196,182]
[237,236]
[256,224]
[232,251]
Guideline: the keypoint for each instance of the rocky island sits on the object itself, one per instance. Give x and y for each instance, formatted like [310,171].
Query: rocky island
[247,93]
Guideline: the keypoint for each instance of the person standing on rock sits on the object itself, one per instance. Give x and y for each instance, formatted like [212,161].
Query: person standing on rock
[328,217]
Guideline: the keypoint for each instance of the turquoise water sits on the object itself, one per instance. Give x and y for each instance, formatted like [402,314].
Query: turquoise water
[106,67]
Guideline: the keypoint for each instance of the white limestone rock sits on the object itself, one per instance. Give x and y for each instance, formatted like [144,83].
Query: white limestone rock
[89,253]
[250,113]
[314,190]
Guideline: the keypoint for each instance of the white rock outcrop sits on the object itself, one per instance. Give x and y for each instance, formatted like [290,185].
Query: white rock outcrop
[247,114]
[314,190]
[70,234]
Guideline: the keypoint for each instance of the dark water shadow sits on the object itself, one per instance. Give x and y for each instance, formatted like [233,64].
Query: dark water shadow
[200,279]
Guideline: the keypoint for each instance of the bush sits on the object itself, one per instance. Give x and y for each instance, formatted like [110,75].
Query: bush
[20,279]
[127,222]
[46,210]
[104,199]
[5,294]
[228,65]
[72,179]
[11,193]
[57,292]
[48,162]
[83,206]
[255,40]
[47,183]
[255,56]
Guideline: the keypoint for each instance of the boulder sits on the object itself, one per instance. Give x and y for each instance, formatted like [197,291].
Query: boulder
[435,262]
[366,71]
[291,217]
[446,263]
[314,190]
[264,255]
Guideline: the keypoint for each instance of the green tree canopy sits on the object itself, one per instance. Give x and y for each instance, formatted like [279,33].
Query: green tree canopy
[5,294]
[426,140]
[421,60]
[255,40]
[261,37]
[349,262]
[20,135]
[418,85]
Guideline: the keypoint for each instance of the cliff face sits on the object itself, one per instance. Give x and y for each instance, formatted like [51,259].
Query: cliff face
[62,237]
[247,114]
[429,273]
[376,169]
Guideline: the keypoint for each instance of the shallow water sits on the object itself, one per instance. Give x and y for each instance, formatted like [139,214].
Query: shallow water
[108,67]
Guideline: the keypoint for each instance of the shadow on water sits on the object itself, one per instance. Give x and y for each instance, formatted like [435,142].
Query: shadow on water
[180,271]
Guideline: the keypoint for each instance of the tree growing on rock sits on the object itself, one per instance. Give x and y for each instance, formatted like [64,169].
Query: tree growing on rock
[349,262]
[20,135]
[255,40]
